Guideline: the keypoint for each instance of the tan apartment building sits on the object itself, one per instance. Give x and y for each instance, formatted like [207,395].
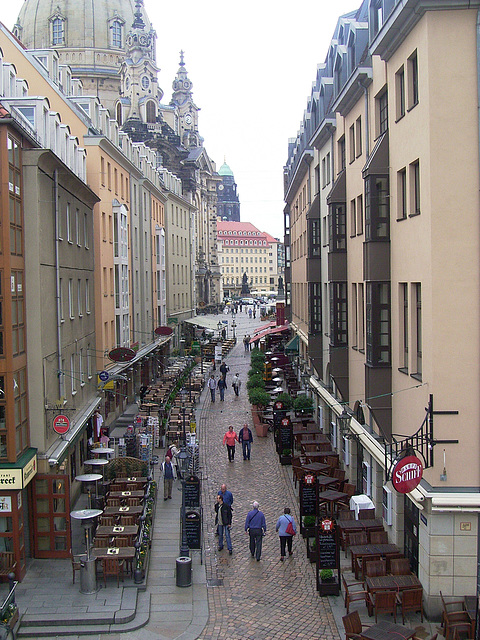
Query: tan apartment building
[402,269]
[243,249]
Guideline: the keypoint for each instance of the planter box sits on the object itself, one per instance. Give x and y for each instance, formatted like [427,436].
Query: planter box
[329,588]
[285,459]
[308,532]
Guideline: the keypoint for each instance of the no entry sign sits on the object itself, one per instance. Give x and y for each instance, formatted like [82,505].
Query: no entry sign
[407,474]
[61,424]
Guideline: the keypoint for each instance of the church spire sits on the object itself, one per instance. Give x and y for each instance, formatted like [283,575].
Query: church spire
[182,86]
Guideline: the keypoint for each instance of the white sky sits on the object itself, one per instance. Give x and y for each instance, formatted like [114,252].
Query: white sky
[252,65]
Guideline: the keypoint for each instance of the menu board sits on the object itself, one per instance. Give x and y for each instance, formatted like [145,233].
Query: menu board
[285,437]
[308,499]
[327,550]
[193,529]
[192,491]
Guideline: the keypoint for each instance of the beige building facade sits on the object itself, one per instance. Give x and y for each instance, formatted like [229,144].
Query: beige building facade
[399,270]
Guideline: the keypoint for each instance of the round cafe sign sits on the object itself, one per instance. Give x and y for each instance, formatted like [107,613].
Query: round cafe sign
[407,474]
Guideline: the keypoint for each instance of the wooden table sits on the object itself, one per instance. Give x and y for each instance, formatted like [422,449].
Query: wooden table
[332,497]
[392,583]
[314,456]
[361,525]
[365,550]
[311,429]
[121,553]
[123,511]
[105,531]
[126,494]
[387,631]
[315,468]
[325,481]
[135,480]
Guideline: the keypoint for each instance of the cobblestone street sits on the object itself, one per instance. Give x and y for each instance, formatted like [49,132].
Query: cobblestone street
[249,599]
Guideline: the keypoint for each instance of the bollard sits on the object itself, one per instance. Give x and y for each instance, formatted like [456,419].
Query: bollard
[184,572]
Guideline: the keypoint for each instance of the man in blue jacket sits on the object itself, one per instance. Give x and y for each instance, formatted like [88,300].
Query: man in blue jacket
[245,437]
[256,527]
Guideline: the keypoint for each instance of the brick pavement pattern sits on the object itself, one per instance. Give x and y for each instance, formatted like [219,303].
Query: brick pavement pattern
[248,599]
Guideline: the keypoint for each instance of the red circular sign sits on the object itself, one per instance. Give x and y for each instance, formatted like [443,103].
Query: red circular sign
[61,424]
[407,474]
[121,354]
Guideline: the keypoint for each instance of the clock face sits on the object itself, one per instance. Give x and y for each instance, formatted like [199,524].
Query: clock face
[220,187]
[188,119]
[145,82]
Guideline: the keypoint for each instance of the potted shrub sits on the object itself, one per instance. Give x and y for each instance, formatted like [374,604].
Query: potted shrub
[308,530]
[328,585]
[256,382]
[286,456]
[303,404]
[287,400]
[259,399]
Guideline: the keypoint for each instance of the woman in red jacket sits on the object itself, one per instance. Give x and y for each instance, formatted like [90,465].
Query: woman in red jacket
[229,439]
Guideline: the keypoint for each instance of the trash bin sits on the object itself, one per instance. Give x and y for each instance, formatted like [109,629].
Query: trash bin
[184,572]
[88,578]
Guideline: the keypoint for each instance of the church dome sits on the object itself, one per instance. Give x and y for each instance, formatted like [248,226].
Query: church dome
[225,170]
[76,24]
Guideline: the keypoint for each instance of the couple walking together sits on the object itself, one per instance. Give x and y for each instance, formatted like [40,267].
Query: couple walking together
[245,437]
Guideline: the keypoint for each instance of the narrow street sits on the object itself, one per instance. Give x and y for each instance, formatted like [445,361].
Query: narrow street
[249,599]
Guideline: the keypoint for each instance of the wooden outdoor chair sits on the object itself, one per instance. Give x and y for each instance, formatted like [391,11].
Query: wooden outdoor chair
[382,602]
[132,487]
[113,502]
[126,521]
[133,502]
[107,521]
[353,592]
[366,514]
[346,515]
[112,567]
[353,626]
[349,489]
[411,600]
[353,538]
[359,565]
[375,568]
[400,567]
[100,543]
[378,537]
[116,487]
[455,616]
[76,564]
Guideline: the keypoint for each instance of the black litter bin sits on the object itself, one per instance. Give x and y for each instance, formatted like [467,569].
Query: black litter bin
[184,572]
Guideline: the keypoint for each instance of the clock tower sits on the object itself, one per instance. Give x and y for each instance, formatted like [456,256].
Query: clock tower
[187,110]
[140,94]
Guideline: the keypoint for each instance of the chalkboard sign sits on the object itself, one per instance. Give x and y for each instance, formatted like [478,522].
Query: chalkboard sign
[286,437]
[192,491]
[327,550]
[192,529]
[308,499]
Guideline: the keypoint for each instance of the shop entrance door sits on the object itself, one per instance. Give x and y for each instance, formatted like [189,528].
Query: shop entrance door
[51,517]
[411,519]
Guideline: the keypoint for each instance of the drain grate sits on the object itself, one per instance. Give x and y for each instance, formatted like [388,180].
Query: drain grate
[215,582]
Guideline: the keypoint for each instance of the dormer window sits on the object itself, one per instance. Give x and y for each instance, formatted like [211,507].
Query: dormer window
[117,33]
[58,30]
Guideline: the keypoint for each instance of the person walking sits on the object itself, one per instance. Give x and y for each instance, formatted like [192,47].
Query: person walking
[286,532]
[223,520]
[256,528]
[224,369]
[245,343]
[212,385]
[229,439]
[236,384]
[250,313]
[227,497]
[245,437]
[169,475]
[172,453]
[221,386]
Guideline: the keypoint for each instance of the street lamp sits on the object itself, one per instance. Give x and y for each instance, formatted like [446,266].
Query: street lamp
[234,326]
[183,458]
[343,421]
[219,327]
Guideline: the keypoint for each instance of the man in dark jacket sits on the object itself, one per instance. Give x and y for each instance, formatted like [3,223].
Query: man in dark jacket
[256,527]
[224,521]
[245,437]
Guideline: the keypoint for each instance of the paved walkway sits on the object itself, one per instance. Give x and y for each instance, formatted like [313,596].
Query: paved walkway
[254,600]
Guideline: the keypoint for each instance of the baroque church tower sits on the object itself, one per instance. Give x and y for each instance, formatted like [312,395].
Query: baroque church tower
[140,94]
[182,99]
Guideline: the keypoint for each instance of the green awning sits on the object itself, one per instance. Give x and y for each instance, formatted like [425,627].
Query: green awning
[292,345]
